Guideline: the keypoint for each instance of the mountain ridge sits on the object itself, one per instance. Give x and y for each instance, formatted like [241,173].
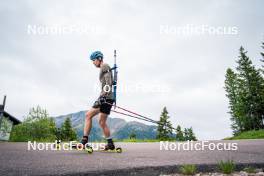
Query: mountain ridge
[120,128]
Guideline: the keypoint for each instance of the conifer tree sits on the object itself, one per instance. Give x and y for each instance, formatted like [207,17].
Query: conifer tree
[67,131]
[179,134]
[165,126]
[245,92]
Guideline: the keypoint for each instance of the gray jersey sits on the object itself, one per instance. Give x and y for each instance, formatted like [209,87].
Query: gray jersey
[106,79]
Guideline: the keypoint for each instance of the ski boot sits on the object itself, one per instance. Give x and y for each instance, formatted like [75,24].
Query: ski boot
[109,146]
[84,145]
[58,144]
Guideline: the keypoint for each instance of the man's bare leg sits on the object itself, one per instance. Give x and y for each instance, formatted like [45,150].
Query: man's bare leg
[88,123]
[106,131]
[102,122]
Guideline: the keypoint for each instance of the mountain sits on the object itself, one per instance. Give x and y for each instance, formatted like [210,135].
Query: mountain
[120,129]
[141,130]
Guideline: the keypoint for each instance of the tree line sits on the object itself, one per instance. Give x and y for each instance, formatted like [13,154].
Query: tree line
[38,126]
[166,131]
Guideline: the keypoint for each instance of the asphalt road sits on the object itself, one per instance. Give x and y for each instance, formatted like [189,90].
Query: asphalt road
[136,159]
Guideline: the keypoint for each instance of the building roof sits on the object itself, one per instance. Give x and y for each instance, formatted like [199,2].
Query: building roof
[12,118]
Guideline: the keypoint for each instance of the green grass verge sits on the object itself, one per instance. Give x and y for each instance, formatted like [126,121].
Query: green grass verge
[226,167]
[133,140]
[188,169]
[254,134]
[250,170]
[146,140]
[138,140]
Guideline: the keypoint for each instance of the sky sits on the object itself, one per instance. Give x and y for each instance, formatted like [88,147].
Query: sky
[180,49]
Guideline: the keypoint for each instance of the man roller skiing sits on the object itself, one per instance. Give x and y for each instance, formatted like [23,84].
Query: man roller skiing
[103,104]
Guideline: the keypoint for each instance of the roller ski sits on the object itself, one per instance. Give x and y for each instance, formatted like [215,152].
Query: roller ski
[115,150]
[110,147]
[83,145]
[87,148]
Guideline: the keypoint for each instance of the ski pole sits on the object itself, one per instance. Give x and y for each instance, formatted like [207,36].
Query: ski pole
[144,117]
[153,121]
[140,116]
[132,112]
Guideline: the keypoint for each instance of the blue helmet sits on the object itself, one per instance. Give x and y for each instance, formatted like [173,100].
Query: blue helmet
[96,54]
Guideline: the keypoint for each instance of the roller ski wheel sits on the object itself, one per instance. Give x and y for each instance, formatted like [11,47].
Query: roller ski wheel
[118,150]
[89,150]
[58,146]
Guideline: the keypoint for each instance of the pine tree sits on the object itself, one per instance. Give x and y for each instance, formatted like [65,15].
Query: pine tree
[179,134]
[36,114]
[186,135]
[232,89]
[133,135]
[67,131]
[191,135]
[245,90]
[165,126]
[250,82]
[58,134]
[262,70]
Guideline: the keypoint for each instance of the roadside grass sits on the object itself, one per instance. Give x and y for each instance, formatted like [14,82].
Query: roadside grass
[127,140]
[138,140]
[188,169]
[226,167]
[254,134]
[144,140]
[131,140]
[250,170]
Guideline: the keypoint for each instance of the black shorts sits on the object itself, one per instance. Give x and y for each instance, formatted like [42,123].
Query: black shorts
[104,107]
